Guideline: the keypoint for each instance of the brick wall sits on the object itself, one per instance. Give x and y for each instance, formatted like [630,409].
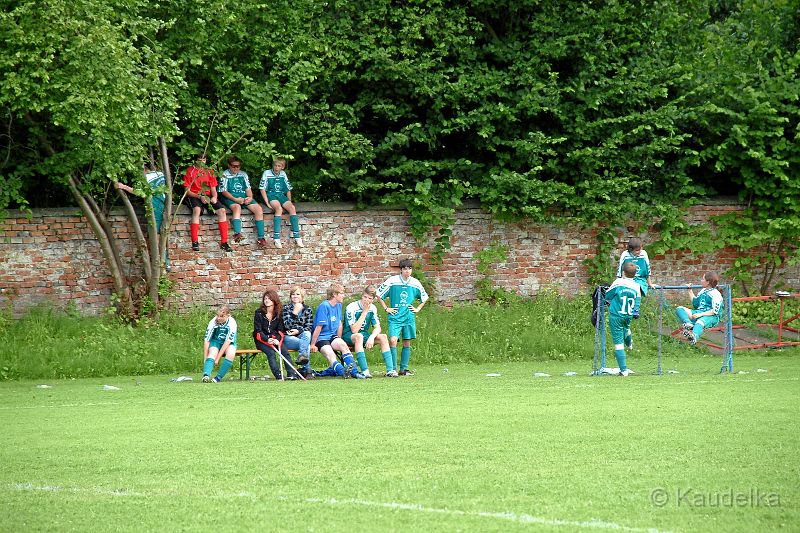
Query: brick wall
[54,258]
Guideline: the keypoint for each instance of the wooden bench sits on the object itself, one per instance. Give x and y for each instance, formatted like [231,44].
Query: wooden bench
[246,358]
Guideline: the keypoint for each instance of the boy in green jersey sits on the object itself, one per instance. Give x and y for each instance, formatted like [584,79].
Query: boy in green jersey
[235,192]
[277,194]
[403,290]
[706,308]
[621,298]
[362,328]
[219,341]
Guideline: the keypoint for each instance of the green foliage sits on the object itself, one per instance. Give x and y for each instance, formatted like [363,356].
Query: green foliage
[592,114]
[486,289]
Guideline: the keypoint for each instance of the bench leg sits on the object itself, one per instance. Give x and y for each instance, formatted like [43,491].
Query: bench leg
[249,361]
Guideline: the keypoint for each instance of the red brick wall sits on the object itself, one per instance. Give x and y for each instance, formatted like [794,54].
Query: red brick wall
[54,258]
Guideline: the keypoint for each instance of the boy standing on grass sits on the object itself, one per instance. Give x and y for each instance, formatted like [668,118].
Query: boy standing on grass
[403,290]
[277,194]
[220,339]
[707,308]
[234,189]
[201,193]
[327,334]
[362,329]
[636,255]
[622,297]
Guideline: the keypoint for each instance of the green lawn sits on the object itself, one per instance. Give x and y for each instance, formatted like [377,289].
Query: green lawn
[445,450]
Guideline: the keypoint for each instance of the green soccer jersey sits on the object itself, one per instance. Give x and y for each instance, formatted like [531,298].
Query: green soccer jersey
[402,293]
[275,185]
[235,184]
[621,297]
[353,312]
[708,299]
[219,333]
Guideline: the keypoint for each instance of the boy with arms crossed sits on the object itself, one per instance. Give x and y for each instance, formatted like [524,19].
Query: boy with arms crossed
[621,298]
[362,329]
[403,290]
[201,193]
[327,336]
[220,339]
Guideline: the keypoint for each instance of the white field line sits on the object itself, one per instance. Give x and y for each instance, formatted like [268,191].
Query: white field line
[507,516]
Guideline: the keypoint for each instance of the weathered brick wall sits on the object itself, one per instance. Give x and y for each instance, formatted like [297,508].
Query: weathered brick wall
[53,257]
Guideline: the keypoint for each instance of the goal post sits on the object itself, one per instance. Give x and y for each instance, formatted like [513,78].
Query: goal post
[725,325]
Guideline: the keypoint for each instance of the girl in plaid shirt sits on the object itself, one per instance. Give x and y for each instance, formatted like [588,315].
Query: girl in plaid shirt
[298,318]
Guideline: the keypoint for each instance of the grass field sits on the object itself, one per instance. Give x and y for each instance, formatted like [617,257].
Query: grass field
[446,450]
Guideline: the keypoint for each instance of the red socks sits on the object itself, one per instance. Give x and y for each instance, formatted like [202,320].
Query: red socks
[194,229]
[223,230]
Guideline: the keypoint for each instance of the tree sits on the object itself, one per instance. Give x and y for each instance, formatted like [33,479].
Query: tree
[88,90]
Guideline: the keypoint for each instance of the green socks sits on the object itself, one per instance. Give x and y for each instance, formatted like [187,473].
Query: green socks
[393,351]
[276,226]
[621,359]
[237,225]
[362,361]
[294,220]
[405,355]
[223,369]
[208,366]
[387,360]
[260,228]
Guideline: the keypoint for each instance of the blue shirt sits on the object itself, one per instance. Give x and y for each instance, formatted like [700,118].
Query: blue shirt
[329,316]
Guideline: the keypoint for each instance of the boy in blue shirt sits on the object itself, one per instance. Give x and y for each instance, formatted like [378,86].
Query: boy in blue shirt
[327,336]
[638,256]
[706,308]
[621,298]
[403,290]
[219,340]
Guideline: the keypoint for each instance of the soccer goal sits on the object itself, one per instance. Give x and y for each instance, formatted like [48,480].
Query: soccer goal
[662,317]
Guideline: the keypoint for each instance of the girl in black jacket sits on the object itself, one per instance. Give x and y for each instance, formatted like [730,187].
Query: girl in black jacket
[268,332]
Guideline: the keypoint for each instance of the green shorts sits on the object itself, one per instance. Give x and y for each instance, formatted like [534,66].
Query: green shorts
[218,345]
[228,203]
[282,198]
[403,330]
[619,326]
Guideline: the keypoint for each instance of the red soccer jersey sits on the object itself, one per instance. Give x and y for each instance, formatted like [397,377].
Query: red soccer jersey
[200,180]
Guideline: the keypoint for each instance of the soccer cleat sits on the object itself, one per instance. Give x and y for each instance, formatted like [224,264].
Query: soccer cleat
[237,237]
[625,373]
[690,337]
[299,242]
[406,373]
[687,328]
[206,378]
[350,370]
[216,379]
[277,243]
[225,247]
[391,374]
[196,246]
[367,374]
[359,375]
[262,242]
